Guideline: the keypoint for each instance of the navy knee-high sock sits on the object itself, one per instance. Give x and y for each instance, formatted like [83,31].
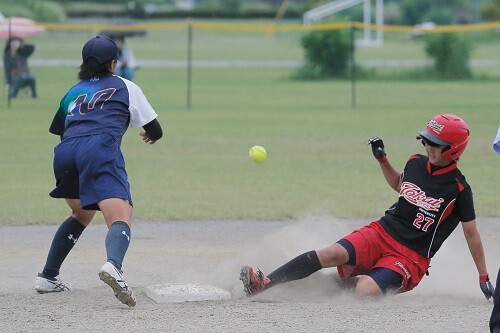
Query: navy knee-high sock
[117,242]
[65,238]
[298,268]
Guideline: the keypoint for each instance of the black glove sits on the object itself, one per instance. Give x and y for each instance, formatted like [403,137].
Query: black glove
[486,286]
[377,148]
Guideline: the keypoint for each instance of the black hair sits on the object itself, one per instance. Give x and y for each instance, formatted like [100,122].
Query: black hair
[92,68]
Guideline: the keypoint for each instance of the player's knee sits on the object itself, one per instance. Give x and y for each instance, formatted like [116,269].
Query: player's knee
[83,216]
[366,286]
[332,256]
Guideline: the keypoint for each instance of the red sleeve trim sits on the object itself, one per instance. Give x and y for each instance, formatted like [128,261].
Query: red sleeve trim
[460,185]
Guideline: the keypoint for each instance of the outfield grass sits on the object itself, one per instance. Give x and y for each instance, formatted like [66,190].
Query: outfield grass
[318,161]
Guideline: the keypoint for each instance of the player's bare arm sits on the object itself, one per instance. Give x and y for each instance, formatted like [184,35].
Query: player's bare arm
[391,175]
[475,244]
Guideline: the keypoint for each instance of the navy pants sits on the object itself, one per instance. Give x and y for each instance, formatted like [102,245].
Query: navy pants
[495,314]
[23,80]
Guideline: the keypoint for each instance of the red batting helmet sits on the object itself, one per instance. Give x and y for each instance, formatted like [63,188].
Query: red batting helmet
[447,130]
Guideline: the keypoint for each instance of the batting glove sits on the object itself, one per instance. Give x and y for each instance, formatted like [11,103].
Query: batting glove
[486,286]
[378,149]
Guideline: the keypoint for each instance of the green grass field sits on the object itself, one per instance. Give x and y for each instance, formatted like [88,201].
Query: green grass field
[318,162]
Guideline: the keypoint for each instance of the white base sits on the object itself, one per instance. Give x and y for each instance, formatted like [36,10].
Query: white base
[186,292]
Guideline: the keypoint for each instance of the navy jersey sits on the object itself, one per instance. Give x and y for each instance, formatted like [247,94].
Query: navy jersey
[106,104]
[431,204]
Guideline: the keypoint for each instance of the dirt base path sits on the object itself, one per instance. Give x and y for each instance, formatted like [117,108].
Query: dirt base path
[211,252]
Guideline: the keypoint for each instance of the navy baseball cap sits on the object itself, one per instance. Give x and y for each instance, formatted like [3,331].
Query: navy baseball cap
[102,48]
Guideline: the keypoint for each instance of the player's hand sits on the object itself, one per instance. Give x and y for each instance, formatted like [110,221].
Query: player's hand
[145,138]
[377,148]
[486,286]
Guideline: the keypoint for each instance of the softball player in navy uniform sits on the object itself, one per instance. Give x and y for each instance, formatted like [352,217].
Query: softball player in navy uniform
[88,164]
[495,313]
[394,253]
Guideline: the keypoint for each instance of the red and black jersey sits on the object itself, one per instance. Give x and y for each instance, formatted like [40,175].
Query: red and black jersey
[432,201]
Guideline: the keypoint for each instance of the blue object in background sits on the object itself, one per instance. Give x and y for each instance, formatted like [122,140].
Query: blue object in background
[496,142]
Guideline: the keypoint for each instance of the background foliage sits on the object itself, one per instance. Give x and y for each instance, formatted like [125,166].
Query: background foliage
[451,55]
[38,10]
[403,12]
[327,54]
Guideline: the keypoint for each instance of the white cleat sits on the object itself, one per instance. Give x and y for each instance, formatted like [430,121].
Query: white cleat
[49,285]
[113,277]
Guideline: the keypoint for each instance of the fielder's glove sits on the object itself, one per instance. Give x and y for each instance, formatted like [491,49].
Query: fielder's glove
[378,148]
[486,286]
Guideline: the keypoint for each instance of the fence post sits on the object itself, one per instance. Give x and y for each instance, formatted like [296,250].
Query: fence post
[353,68]
[189,62]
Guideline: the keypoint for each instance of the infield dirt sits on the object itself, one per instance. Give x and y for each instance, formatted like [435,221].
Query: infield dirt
[211,252]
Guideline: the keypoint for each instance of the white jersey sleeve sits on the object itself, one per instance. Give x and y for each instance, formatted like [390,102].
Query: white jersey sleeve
[141,112]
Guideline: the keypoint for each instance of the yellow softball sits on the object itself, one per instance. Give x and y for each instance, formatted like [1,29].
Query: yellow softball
[257,154]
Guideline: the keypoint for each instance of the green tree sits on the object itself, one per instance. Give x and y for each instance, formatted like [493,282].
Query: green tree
[38,10]
[440,12]
[327,54]
[451,55]
[491,11]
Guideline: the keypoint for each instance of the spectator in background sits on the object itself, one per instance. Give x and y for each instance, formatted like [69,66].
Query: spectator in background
[17,72]
[126,60]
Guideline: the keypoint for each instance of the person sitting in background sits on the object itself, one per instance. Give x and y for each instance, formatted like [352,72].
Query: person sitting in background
[126,59]
[17,72]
